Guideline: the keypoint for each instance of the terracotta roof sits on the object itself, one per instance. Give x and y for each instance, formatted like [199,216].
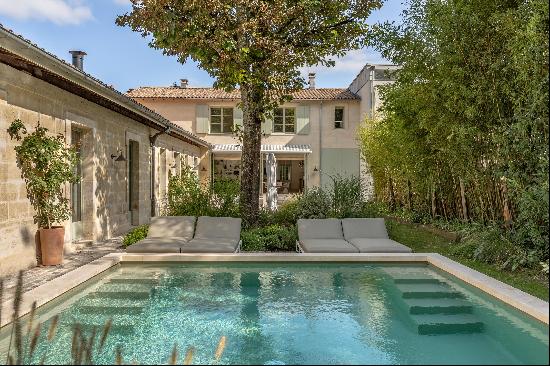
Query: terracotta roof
[40,57]
[211,93]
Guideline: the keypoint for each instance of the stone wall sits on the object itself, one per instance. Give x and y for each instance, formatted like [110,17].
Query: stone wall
[106,210]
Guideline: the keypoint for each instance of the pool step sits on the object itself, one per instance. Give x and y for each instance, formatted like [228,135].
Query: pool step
[110,310]
[417,280]
[110,302]
[447,324]
[132,281]
[438,306]
[125,287]
[128,295]
[428,291]
[121,323]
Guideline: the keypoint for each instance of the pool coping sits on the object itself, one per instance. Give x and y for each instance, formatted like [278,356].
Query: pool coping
[518,299]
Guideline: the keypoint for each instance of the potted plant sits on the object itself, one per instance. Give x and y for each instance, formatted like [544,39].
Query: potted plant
[46,164]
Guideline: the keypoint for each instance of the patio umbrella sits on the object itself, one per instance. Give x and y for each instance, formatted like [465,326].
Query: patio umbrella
[271,170]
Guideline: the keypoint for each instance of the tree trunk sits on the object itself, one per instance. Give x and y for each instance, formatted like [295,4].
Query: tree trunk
[505,205]
[463,200]
[392,195]
[409,195]
[250,160]
[434,207]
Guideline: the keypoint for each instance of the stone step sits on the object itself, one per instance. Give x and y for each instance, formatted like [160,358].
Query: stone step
[128,295]
[110,310]
[438,306]
[96,301]
[121,323]
[416,280]
[140,281]
[447,324]
[129,287]
[427,290]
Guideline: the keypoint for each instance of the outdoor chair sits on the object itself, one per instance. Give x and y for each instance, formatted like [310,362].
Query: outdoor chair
[167,234]
[371,236]
[322,236]
[215,235]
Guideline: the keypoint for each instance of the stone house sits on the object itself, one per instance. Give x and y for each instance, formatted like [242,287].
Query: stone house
[126,150]
[313,137]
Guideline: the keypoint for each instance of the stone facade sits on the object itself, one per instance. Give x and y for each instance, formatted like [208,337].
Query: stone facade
[106,207]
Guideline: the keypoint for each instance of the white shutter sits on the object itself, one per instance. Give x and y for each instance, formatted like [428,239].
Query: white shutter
[203,118]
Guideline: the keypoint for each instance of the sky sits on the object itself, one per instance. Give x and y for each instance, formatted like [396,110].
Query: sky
[120,57]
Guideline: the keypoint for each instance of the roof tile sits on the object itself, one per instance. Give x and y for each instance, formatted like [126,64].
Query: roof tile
[212,93]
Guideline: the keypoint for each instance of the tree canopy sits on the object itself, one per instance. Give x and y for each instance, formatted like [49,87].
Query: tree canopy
[256,45]
[463,133]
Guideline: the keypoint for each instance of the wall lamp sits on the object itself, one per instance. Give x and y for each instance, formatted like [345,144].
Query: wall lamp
[120,157]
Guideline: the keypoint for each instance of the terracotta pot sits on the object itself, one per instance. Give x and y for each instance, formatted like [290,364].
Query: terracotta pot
[51,245]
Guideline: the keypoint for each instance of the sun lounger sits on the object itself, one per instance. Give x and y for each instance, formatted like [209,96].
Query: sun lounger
[167,234]
[371,236]
[215,235]
[322,236]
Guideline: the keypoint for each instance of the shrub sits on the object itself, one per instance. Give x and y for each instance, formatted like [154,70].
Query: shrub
[188,197]
[287,213]
[270,238]
[314,204]
[46,164]
[345,196]
[135,235]
[492,245]
[224,200]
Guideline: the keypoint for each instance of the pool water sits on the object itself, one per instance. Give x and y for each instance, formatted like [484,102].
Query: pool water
[274,313]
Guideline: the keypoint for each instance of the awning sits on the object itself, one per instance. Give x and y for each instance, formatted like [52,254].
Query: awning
[278,149]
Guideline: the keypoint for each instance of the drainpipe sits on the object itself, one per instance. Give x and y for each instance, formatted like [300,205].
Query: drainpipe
[320,139]
[153,140]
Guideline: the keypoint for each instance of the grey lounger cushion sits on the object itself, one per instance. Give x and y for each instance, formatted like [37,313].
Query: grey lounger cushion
[364,228]
[218,227]
[172,226]
[216,245]
[323,236]
[320,229]
[166,234]
[327,246]
[378,245]
[157,245]
[215,235]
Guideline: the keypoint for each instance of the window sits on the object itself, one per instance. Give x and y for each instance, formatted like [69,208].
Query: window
[283,172]
[284,120]
[221,120]
[339,117]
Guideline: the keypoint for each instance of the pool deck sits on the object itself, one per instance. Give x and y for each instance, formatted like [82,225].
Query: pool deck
[48,291]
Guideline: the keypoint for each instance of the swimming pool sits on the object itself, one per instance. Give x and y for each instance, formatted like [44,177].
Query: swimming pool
[292,313]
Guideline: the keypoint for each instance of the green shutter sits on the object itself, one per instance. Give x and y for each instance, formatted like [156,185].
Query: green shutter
[237,118]
[267,125]
[203,118]
[302,120]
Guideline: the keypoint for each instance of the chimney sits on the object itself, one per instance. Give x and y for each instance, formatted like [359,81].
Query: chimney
[78,59]
[183,83]
[311,76]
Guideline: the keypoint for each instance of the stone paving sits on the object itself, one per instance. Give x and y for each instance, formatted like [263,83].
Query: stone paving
[36,276]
